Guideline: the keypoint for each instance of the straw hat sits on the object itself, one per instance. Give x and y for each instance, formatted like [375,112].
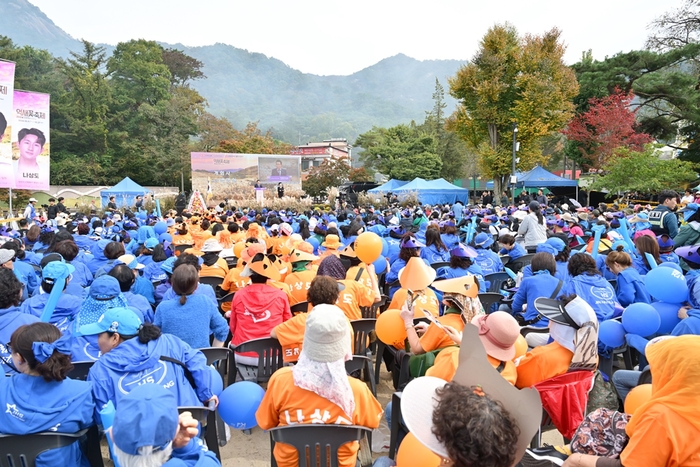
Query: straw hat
[465,285]
[416,275]
[524,405]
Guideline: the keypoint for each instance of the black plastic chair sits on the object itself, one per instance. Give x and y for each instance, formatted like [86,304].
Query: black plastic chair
[80,370]
[488,300]
[301,307]
[388,287]
[180,249]
[580,247]
[613,283]
[215,282]
[363,330]
[317,444]
[395,423]
[22,450]
[225,299]
[372,311]
[218,355]
[645,377]
[231,261]
[505,259]
[496,281]
[270,358]
[517,264]
[359,363]
[440,264]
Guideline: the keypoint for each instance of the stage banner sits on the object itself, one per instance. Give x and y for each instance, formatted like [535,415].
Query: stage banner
[228,176]
[222,175]
[7,89]
[31,146]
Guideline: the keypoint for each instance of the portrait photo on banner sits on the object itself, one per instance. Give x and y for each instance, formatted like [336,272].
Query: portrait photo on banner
[31,146]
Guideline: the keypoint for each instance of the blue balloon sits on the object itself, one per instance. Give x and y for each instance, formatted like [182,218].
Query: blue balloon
[641,319]
[668,313]
[611,333]
[313,241]
[669,264]
[380,265]
[217,384]
[165,237]
[385,247]
[238,404]
[666,285]
[160,227]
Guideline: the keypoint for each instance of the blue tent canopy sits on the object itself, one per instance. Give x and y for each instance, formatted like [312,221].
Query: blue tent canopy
[125,193]
[541,177]
[391,185]
[437,191]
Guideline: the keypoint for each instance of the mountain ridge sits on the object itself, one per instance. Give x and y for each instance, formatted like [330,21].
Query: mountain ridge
[248,86]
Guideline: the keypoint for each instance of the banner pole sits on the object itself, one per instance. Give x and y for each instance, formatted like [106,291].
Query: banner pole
[10,198]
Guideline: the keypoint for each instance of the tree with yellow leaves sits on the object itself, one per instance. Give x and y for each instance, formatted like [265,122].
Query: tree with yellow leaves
[512,79]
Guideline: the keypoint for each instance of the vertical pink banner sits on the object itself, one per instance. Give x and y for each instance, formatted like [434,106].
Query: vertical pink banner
[31,146]
[7,88]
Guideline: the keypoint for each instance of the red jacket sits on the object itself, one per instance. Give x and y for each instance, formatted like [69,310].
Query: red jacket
[255,310]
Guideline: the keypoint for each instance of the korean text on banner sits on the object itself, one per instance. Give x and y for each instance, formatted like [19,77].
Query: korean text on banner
[31,146]
[7,81]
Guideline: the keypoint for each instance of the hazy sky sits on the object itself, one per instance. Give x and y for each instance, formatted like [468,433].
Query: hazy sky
[331,37]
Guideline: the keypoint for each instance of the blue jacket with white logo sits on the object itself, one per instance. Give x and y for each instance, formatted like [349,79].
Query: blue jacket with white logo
[132,363]
[630,288]
[31,405]
[66,309]
[488,260]
[596,291]
[10,319]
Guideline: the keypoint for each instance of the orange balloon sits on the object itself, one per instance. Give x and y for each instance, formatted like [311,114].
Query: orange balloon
[413,453]
[237,248]
[636,397]
[520,347]
[368,247]
[390,328]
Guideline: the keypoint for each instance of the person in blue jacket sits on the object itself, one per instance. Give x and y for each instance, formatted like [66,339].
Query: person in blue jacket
[630,286]
[394,241]
[41,398]
[69,251]
[486,258]
[666,245]
[24,271]
[125,276]
[82,237]
[148,431]
[191,317]
[10,316]
[587,282]
[510,247]
[152,272]
[542,284]
[435,250]
[449,235]
[104,260]
[646,245]
[135,353]
[142,286]
[52,304]
[462,264]
[691,257]
[186,258]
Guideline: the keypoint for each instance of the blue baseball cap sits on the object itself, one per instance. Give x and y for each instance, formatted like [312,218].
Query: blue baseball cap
[483,240]
[104,288]
[56,270]
[557,243]
[147,416]
[151,243]
[463,251]
[546,248]
[121,319]
[167,265]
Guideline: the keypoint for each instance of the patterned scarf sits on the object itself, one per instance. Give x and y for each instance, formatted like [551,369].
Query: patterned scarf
[328,380]
[92,309]
[469,307]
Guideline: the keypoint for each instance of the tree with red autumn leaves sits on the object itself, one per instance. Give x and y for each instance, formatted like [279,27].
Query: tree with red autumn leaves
[609,123]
